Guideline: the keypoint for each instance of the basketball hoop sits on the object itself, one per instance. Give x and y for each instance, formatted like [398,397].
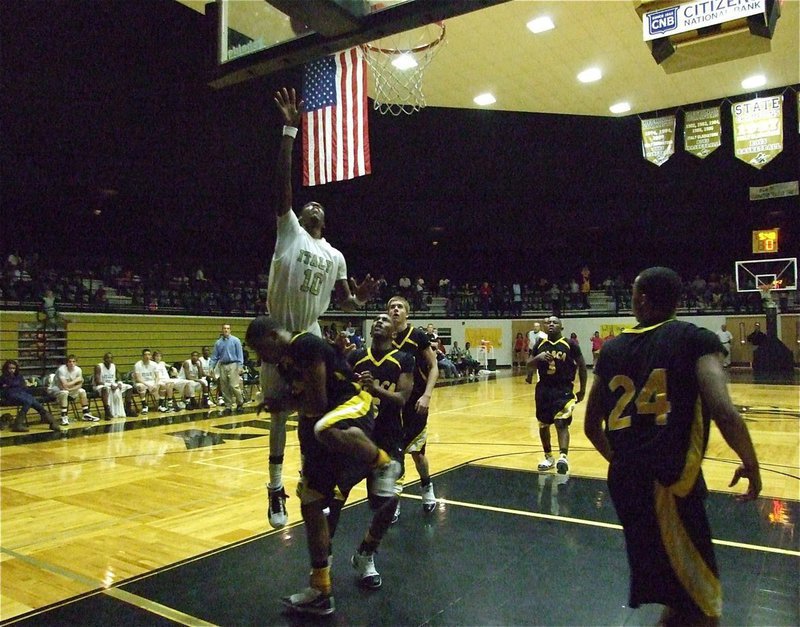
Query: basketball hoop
[398,64]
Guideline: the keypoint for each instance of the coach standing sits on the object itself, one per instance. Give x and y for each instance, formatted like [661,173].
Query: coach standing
[228,354]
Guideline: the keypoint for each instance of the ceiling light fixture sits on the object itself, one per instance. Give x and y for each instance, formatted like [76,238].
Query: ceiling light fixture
[484,99]
[540,25]
[590,75]
[404,62]
[751,82]
[620,107]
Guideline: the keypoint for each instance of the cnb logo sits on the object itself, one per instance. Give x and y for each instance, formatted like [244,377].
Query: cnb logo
[662,21]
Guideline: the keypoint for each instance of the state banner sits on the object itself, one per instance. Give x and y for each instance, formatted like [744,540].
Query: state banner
[758,130]
[702,131]
[658,139]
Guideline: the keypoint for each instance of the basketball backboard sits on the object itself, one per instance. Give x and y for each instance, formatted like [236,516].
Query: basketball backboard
[754,275]
[258,38]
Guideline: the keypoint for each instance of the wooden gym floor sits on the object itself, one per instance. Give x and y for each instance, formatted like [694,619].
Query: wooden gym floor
[161,520]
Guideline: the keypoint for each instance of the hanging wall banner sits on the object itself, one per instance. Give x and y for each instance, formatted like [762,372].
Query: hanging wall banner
[658,139]
[702,131]
[776,190]
[758,130]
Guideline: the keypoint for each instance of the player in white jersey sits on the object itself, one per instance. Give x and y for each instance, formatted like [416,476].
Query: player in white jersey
[169,385]
[68,383]
[145,379]
[192,371]
[106,385]
[305,269]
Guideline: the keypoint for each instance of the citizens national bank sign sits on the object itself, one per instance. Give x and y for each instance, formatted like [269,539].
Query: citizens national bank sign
[699,14]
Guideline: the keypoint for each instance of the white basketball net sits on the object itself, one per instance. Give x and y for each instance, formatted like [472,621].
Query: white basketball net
[398,70]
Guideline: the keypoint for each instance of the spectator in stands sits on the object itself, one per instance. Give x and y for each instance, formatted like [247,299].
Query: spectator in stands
[67,383]
[555,299]
[14,390]
[405,286]
[145,380]
[261,303]
[419,294]
[574,294]
[516,302]
[108,386]
[101,299]
[444,287]
[485,298]
[499,300]
[586,287]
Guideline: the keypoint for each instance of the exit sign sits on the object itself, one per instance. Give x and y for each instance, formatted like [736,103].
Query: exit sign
[765,241]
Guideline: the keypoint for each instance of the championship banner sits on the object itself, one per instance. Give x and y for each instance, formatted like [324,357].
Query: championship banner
[702,131]
[658,139]
[758,130]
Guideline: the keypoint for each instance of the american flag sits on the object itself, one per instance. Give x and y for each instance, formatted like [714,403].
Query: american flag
[335,130]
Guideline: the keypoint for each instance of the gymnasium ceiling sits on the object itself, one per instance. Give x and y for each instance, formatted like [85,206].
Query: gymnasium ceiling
[491,50]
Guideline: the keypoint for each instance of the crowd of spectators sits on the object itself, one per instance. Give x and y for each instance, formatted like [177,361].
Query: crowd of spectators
[28,282]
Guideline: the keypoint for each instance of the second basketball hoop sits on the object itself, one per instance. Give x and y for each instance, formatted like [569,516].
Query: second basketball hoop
[398,65]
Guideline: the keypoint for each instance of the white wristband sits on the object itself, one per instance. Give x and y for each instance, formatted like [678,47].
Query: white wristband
[290,131]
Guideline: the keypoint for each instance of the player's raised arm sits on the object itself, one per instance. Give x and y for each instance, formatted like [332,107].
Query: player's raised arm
[286,101]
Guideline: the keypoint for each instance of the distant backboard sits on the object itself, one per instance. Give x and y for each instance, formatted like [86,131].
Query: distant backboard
[754,275]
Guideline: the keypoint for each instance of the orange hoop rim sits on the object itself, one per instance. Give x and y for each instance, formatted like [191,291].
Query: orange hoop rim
[418,49]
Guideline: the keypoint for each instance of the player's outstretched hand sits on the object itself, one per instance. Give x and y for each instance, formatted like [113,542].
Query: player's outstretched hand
[366,290]
[286,99]
[753,475]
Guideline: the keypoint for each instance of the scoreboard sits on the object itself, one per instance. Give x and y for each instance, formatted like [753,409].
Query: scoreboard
[765,241]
